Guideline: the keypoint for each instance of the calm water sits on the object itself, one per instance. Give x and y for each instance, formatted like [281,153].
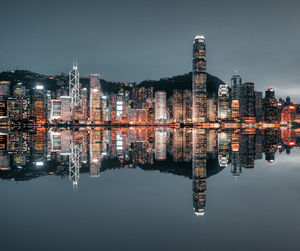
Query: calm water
[150,189]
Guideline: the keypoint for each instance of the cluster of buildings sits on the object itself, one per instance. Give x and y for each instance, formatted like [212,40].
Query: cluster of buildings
[91,103]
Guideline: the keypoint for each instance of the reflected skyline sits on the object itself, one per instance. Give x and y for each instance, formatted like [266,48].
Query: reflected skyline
[191,153]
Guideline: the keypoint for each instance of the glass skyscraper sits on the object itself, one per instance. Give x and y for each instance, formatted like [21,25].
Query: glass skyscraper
[199,80]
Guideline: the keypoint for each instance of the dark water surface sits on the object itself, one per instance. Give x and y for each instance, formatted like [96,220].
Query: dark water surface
[150,189]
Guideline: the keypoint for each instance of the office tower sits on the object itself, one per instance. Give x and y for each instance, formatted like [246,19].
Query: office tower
[247,105]
[212,108]
[223,103]
[271,110]
[80,112]
[143,97]
[236,85]
[150,116]
[199,171]
[199,80]
[236,92]
[3,111]
[4,88]
[187,106]
[170,107]
[38,110]
[121,115]
[95,99]
[104,108]
[13,105]
[258,106]
[161,136]
[177,106]
[288,114]
[160,107]
[74,88]
[65,115]
[235,110]
[55,110]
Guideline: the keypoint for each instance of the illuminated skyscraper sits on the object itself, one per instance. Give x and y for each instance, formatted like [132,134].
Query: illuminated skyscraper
[236,85]
[247,103]
[177,106]
[95,98]
[288,114]
[187,106]
[160,107]
[258,106]
[199,80]
[65,109]
[271,110]
[39,105]
[212,105]
[223,102]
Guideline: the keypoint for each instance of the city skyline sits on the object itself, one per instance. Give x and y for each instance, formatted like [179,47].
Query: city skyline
[30,99]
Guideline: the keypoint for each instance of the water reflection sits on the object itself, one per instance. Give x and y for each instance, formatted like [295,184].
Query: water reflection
[193,153]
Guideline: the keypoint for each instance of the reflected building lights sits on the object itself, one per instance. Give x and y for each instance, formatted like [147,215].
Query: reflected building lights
[187,152]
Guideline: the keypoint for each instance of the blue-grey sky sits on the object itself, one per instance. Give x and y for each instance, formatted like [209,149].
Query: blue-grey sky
[135,40]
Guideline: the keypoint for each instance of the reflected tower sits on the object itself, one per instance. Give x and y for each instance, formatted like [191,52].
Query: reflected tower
[161,135]
[199,171]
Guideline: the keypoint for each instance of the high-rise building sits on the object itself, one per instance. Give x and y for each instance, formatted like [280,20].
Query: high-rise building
[212,107]
[271,110]
[288,114]
[4,88]
[199,80]
[236,86]
[187,106]
[95,99]
[258,106]
[160,107]
[65,109]
[177,106]
[223,102]
[247,103]
[236,89]
[39,105]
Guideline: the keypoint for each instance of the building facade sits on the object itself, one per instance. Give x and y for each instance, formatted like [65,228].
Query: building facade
[199,80]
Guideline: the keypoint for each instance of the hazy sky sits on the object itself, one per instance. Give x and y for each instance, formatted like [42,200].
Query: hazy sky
[137,40]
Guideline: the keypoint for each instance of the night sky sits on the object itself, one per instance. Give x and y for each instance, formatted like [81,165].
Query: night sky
[137,40]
